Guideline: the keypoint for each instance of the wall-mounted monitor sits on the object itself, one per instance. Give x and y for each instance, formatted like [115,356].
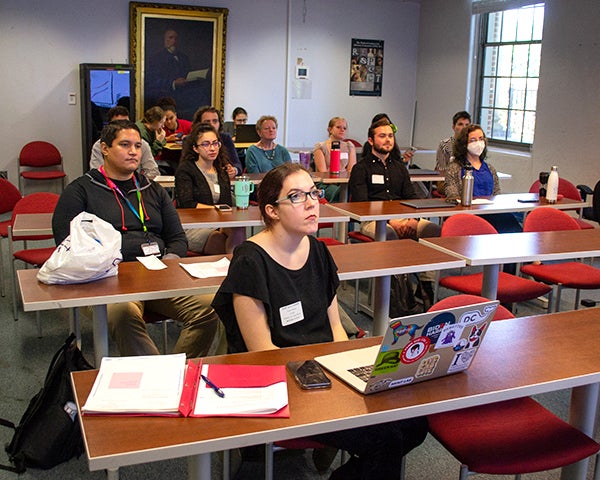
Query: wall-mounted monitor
[102,86]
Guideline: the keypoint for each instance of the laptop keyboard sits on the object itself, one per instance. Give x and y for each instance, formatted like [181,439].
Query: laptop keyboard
[364,373]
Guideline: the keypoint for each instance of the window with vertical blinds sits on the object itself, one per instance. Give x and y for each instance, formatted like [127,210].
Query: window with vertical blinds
[509,69]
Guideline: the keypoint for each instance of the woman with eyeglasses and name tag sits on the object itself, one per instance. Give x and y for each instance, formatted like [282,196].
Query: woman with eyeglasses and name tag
[202,179]
[281,291]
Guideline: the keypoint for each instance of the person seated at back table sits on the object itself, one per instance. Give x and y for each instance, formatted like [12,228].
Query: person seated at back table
[280,291]
[381,176]
[337,132]
[117,194]
[239,117]
[152,130]
[405,157]
[148,165]
[212,116]
[175,128]
[266,154]
[202,178]
[470,149]
[445,155]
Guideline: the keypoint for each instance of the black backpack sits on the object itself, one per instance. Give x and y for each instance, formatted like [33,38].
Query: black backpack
[49,432]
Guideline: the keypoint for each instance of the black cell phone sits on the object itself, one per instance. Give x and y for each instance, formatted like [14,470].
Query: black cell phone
[223,207]
[309,374]
[528,200]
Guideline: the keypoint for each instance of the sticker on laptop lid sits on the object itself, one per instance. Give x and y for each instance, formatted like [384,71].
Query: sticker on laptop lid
[415,349]
[427,366]
[462,360]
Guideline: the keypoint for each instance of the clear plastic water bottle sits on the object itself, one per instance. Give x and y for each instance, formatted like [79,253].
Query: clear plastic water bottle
[467,187]
[552,190]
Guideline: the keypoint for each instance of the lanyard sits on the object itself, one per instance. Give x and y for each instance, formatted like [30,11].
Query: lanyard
[139,213]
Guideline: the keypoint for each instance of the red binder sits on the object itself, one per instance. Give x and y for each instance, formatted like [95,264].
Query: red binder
[231,376]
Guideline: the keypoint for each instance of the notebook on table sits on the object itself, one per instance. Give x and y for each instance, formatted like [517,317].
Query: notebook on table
[246,133]
[415,348]
[427,203]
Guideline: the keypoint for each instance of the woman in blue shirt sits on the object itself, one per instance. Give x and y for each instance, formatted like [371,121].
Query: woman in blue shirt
[470,148]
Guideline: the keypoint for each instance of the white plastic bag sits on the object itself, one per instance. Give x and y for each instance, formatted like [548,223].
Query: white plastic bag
[91,251]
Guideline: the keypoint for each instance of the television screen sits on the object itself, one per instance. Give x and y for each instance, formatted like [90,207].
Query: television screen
[108,86]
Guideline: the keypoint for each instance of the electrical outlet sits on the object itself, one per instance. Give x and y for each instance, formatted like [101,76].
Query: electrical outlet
[72,98]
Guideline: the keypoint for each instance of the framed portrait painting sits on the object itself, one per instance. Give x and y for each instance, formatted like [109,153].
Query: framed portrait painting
[179,53]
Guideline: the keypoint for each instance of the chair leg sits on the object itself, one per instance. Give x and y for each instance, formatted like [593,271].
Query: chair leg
[558,293]
[165,338]
[38,319]
[74,325]
[550,298]
[464,472]
[13,280]
[597,467]
[577,297]
[2,277]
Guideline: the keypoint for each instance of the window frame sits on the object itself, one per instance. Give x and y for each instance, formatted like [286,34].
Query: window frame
[482,44]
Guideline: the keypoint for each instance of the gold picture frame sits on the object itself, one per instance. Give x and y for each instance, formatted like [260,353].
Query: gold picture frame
[178,51]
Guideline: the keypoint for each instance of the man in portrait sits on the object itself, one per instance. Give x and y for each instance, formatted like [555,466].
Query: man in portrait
[169,73]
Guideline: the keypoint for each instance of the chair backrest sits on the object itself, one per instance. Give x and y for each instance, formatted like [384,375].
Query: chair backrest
[39,154]
[39,202]
[565,188]
[356,143]
[548,219]
[9,196]
[464,299]
[596,202]
[466,224]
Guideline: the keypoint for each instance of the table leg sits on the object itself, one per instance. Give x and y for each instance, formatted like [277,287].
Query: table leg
[381,302]
[112,474]
[582,415]
[100,334]
[489,289]
[199,467]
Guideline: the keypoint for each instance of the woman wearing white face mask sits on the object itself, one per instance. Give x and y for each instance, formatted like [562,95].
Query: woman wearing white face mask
[470,148]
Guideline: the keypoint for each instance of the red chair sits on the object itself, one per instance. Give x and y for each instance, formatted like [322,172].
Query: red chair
[9,196]
[41,202]
[38,161]
[511,288]
[575,275]
[567,190]
[512,437]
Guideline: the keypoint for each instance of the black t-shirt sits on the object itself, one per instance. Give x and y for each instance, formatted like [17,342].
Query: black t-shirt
[295,301]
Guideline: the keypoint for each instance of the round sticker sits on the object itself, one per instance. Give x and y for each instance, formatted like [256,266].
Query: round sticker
[415,349]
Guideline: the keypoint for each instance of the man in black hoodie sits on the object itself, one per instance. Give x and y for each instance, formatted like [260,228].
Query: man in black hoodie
[144,214]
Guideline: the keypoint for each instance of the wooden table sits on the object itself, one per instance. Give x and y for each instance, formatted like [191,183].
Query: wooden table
[491,251]
[518,357]
[249,217]
[135,282]
[382,211]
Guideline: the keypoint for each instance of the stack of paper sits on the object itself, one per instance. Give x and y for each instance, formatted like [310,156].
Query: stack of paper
[164,385]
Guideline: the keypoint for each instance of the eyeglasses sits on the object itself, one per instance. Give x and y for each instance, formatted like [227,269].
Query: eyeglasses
[207,145]
[301,197]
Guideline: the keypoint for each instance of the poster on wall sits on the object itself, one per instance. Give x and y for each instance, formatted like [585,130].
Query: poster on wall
[366,67]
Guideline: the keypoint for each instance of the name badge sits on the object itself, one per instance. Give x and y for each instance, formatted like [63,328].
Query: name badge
[151,248]
[343,155]
[217,188]
[291,314]
[377,179]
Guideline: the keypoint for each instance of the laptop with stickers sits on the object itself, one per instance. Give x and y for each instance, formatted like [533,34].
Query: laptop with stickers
[415,348]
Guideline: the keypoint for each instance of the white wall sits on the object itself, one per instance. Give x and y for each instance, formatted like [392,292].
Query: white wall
[568,113]
[43,43]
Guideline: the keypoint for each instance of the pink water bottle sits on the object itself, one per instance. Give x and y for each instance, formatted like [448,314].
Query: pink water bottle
[334,157]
